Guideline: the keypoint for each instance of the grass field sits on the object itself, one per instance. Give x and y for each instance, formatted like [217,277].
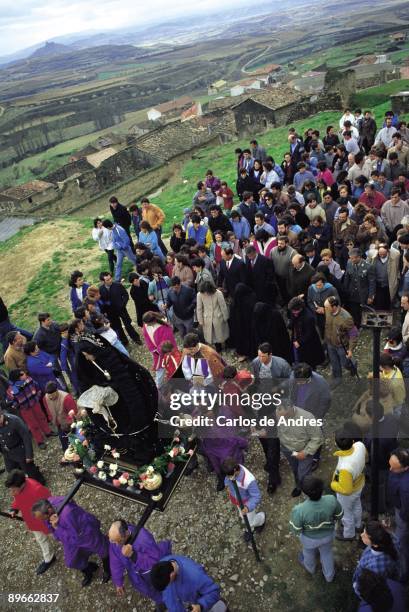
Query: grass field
[373,96]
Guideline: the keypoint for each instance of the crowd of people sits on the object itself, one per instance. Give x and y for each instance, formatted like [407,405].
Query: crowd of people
[278,271]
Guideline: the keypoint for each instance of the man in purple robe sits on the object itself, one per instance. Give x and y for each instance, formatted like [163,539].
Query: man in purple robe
[135,559]
[79,533]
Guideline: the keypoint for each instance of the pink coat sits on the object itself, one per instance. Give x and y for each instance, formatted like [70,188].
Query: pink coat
[154,342]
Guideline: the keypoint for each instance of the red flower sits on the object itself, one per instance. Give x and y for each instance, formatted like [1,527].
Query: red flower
[126,475]
[116,482]
[93,469]
[171,466]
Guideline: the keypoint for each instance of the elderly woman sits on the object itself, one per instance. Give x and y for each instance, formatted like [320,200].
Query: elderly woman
[369,232]
[212,314]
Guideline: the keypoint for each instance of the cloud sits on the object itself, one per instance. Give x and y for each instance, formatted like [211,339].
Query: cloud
[30,22]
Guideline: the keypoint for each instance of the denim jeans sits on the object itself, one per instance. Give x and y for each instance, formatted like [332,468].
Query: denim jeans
[310,546]
[352,507]
[120,254]
[337,357]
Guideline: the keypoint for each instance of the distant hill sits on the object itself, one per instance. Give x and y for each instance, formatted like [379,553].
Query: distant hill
[50,48]
[65,58]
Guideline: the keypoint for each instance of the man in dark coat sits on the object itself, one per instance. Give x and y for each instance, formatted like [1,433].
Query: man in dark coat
[48,337]
[121,216]
[139,294]
[232,271]
[16,446]
[360,284]
[219,221]
[248,207]
[114,298]
[261,277]
[305,339]
[299,276]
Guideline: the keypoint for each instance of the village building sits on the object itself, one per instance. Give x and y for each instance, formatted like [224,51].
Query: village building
[167,110]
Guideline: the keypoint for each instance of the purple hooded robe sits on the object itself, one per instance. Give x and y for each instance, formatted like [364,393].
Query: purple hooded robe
[148,553]
[79,533]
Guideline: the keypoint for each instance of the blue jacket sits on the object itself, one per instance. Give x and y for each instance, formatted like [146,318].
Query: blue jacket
[192,586]
[120,239]
[278,169]
[241,228]
[151,240]
[249,491]
[75,302]
[39,370]
[198,234]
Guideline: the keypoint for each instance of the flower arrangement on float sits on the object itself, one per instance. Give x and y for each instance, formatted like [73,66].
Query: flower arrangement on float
[149,477]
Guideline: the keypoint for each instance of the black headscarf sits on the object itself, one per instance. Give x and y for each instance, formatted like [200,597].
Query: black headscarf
[269,326]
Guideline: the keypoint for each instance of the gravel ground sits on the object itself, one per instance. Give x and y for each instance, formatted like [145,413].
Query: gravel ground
[203,525]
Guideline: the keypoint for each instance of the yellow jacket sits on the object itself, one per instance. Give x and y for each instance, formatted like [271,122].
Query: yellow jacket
[349,476]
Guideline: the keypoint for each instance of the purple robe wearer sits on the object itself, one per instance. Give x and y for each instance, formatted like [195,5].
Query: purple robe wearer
[80,534]
[148,553]
[224,443]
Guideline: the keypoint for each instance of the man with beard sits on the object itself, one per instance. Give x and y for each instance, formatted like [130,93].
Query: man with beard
[282,255]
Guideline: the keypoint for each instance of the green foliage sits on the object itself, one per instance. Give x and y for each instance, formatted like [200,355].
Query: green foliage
[41,294]
[373,96]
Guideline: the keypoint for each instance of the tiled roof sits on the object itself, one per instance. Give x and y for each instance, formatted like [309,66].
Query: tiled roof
[166,107]
[21,192]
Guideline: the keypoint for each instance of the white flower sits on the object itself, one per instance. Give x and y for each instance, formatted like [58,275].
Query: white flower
[131,482]
[116,455]
[107,447]
[102,476]
[150,470]
[73,425]
[123,480]
[181,450]
[100,465]
[79,424]
[171,453]
[113,467]
[112,473]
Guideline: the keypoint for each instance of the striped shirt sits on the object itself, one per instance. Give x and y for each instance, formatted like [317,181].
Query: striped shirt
[316,519]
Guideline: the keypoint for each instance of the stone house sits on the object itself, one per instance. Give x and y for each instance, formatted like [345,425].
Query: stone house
[170,109]
[33,192]
[400,102]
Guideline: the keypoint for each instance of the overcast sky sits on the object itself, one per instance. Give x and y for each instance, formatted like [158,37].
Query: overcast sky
[27,22]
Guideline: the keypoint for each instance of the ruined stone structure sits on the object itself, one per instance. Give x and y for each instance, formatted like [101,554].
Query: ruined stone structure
[147,157]
[400,102]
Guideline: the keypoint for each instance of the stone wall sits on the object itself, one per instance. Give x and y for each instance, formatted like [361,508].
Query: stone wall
[400,103]
[68,170]
[253,118]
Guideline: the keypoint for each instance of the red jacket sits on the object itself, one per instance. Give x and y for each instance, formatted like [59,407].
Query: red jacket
[23,501]
[375,203]
[171,362]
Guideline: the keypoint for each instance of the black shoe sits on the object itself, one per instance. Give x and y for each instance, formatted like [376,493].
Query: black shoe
[52,434]
[43,567]
[106,577]
[137,340]
[89,573]
[271,489]
[42,446]
[296,492]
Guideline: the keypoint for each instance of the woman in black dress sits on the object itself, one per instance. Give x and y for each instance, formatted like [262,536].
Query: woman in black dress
[306,343]
[241,314]
[269,326]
